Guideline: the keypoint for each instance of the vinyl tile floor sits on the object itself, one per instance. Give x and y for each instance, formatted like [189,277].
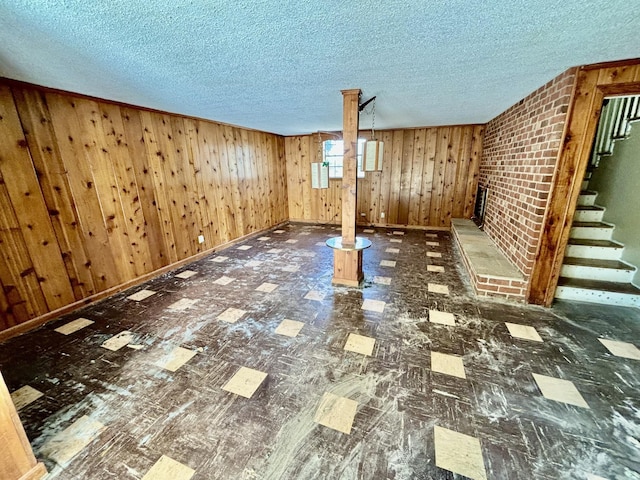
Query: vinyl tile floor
[249,364]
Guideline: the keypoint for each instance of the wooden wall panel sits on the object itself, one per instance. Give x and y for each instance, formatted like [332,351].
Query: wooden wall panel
[429,176]
[94,195]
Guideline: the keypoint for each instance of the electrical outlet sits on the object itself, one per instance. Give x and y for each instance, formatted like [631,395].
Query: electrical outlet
[363,214]
[200,238]
[381,214]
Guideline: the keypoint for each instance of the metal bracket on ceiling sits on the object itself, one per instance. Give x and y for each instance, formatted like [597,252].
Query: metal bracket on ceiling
[362,106]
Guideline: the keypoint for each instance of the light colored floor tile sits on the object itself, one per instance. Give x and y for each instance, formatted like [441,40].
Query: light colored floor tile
[267,287]
[62,447]
[336,412]
[444,318]
[621,349]
[168,469]
[289,328]
[431,235]
[434,254]
[253,263]
[74,326]
[176,358]
[373,305]
[459,453]
[595,477]
[304,233]
[24,396]
[245,382]
[278,231]
[274,250]
[559,390]
[220,259]
[224,280]
[183,304]
[231,315]
[368,230]
[524,332]
[435,268]
[315,295]
[264,239]
[291,240]
[398,233]
[433,244]
[291,268]
[382,280]
[321,244]
[186,274]
[118,341]
[395,240]
[388,263]
[392,250]
[141,295]
[437,288]
[360,344]
[447,364]
[245,247]
[306,253]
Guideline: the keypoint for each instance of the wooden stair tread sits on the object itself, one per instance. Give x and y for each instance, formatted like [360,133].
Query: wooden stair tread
[586,242]
[616,287]
[596,263]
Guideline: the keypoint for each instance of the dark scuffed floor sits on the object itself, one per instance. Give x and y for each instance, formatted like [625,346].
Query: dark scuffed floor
[107,414]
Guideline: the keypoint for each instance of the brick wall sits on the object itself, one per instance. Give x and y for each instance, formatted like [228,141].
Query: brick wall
[519,156]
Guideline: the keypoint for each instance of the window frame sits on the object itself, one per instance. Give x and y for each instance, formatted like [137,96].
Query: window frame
[333,159]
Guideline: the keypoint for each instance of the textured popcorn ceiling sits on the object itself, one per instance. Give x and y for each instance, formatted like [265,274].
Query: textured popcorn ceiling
[279,66]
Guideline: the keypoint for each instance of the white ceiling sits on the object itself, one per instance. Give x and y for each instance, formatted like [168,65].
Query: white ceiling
[279,65]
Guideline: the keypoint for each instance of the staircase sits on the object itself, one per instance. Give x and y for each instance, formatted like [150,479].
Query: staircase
[592,270]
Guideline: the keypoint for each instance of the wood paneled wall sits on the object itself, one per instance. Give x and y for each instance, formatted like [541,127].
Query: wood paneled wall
[94,195]
[429,176]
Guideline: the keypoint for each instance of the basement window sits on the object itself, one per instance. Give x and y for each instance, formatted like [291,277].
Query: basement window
[333,153]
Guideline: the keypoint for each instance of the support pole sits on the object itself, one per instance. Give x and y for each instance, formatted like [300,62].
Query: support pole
[347,261]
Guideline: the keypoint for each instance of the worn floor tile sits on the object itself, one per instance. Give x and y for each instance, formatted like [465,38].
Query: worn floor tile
[264,239]
[435,268]
[224,280]
[274,250]
[291,268]
[433,244]
[387,263]
[444,318]
[431,235]
[524,332]
[459,453]
[141,295]
[267,287]
[278,231]
[245,382]
[68,443]
[360,344]
[398,233]
[118,341]
[382,280]
[291,240]
[231,315]
[336,412]
[168,469]
[447,364]
[392,250]
[73,326]
[24,396]
[183,304]
[253,263]
[244,247]
[315,295]
[438,288]
[176,358]
[559,390]
[321,244]
[220,259]
[186,274]
[368,230]
[304,233]
[434,254]
[621,349]
[289,328]
[395,240]
[373,305]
